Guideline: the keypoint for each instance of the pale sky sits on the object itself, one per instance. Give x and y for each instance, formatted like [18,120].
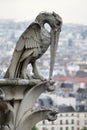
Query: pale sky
[71,11]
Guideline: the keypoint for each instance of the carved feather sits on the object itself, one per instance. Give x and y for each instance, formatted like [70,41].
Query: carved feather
[26,54]
[30,38]
[28,43]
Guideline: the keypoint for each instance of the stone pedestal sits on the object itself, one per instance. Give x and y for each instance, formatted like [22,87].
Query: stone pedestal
[17,103]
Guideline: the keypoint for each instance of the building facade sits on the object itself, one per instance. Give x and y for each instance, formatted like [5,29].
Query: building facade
[67,119]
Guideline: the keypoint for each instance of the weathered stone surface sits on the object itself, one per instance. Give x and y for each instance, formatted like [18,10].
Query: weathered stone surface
[20,99]
[19,82]
[31,119]
[29,99]
[32,44]
[15,89]
[19,90]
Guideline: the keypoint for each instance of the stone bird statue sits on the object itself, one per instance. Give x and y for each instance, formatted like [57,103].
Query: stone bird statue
[33,43]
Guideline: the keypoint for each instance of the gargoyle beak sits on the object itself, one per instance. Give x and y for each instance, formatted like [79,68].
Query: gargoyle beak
[54,43]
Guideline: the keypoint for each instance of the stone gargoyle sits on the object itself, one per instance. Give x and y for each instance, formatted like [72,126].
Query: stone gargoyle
[19,90]
[33,43]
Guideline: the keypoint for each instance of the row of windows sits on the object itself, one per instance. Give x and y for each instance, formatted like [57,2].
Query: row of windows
[85,122]
[67,122]
[67,128]
[80,95]
[85,115]
[61,128]
[66,114]
[61,122]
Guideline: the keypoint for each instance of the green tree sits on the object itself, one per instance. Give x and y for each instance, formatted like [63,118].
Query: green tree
[34,128]
[84,128]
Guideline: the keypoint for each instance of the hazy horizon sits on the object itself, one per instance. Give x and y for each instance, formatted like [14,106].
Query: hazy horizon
[71,11]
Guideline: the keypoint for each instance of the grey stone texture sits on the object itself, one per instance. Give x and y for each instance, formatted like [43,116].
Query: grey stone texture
[18,89]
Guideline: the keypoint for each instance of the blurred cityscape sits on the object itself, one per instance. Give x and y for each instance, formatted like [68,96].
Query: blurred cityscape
[70,72]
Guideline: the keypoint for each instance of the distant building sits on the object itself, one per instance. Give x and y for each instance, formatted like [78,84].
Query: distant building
[81,74]
[54,99]
[72,68]
[67,87]
[81,96]
[68,119]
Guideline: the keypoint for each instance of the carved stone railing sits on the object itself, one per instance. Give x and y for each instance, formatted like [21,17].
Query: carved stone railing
[17,103]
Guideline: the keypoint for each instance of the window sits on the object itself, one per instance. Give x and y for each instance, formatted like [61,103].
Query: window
[77,122]
[60,114]
[72,128]
[77,115]
[67,122]
[66,114]
[61,122]
[52,128]
[52,122]
[44,128]
[72,114]
[85,115]
[72,121]
[85,122]
[43,122]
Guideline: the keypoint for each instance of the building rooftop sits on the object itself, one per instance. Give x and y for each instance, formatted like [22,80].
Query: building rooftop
[67,85]
[81,108]
[65,109]
[81,74]
[68,78]
[82,90]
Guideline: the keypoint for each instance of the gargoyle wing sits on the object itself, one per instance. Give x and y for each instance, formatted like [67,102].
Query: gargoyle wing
[28,41]
[30,37]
